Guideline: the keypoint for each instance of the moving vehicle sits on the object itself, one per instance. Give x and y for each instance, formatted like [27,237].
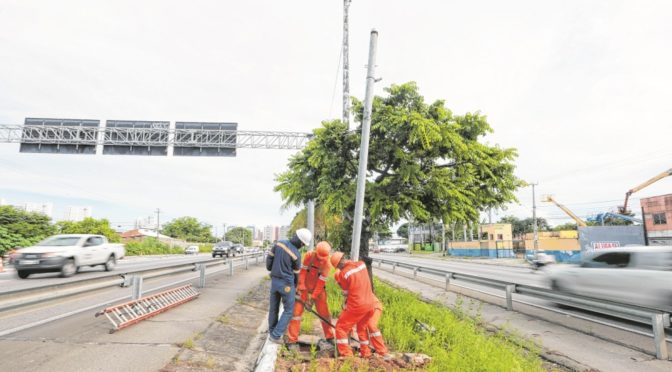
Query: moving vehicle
[639,275]
[227,249]
[192,249]
[66,254]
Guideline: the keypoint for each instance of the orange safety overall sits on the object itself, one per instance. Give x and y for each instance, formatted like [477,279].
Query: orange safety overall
[375,337]
[312,279]
[354,280]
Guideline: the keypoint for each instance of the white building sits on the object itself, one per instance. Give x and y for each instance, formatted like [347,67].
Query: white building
[269,233]
[77,214]
[284,233]
[44,208]
[148,223]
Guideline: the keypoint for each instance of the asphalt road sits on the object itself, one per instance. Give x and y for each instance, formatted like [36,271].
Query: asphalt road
[9,281]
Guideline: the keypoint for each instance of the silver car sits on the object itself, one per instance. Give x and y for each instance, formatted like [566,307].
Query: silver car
[639,275]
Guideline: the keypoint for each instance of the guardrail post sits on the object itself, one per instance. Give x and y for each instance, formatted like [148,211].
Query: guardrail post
[448,277]
[201,279]
[256,260]
[394,267]
[246,264]
[380,263]
[415,273]
[510,288]
[230,267]
[136,289]
[659,336]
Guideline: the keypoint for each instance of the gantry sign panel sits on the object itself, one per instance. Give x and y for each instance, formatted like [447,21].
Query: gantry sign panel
[59,136]
[205,139]
[133,137]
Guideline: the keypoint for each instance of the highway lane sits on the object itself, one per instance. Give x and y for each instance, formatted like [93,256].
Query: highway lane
[9,281]
[515,274]
[609,327]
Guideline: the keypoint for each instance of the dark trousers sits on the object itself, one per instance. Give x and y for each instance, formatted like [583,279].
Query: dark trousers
[281,291]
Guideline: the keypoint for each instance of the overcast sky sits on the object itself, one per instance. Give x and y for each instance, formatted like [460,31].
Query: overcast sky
[583,89]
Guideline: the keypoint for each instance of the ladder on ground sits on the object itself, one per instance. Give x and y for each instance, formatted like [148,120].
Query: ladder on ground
[132,312]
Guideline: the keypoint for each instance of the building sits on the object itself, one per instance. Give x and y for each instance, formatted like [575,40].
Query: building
[269,234]
[276,232]
[77,214]
[141,234]
[657,215]
[148,222]
[283,233]
[252,229]
[43,208]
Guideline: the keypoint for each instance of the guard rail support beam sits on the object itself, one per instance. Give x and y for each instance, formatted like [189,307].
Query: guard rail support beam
[394,267]
[449,276]
[230,267]
[659,336]
[136,281]
[201,278]
[415,272]
[246,263]
[510,289]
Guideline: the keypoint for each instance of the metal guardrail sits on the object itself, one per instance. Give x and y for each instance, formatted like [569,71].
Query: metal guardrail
[656,318]
[131,278]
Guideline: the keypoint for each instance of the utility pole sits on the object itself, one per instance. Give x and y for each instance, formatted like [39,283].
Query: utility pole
[364,147]
[158,213]
[346,65]
[534,218]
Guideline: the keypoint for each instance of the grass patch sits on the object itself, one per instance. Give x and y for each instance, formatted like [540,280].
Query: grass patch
[454,341]
[307,322]
[188,344]
[149,246]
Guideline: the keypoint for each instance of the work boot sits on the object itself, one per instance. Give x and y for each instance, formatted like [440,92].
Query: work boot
[278,341]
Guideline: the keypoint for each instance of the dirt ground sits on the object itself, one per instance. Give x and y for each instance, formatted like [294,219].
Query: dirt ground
[232,342]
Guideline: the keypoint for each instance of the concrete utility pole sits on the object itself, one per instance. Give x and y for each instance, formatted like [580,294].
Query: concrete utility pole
[346,65]
[364,147]
[310,221]
[158,212]
[534,218]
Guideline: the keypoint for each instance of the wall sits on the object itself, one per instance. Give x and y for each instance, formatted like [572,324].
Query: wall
[660,234]
[604,237]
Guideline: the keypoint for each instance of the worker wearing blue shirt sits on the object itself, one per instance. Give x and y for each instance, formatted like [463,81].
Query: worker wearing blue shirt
[284,263]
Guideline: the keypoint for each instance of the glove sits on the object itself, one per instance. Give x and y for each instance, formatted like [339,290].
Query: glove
[309,302]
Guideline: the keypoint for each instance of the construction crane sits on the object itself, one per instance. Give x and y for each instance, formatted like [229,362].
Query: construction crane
[624,208]
[579,221]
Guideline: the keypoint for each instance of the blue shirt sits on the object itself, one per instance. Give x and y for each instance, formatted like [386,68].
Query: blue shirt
[283,261]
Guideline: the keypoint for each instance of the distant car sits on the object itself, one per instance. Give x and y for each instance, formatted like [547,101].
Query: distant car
[640,275]
[224,248]
[192,249]
[238,248]
[67,254]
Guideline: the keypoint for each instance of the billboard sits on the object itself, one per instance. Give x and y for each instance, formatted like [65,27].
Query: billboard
[135,137]
[205,139]
[59,136]
[605,237]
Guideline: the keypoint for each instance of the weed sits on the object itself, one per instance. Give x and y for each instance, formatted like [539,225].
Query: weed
[347,365]
[313,358]
[267,278]
[210,363]
[307,322]
[188,344]
[224,319]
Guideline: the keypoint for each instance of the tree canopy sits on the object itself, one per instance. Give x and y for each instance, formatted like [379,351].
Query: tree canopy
[520,227]
[189,229]
[89,226]
[240,235]
[19,228]
[425,163]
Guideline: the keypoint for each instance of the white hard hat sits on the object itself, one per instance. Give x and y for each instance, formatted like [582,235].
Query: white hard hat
[305,236]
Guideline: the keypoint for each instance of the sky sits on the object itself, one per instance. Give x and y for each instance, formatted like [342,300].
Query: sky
[581,88]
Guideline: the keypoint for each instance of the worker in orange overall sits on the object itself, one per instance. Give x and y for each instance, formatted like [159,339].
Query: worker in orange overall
[312,280]
[359,308]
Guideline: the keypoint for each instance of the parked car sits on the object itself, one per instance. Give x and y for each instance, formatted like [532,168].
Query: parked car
[67,254]
[192,249]
[225,248]
[639,275]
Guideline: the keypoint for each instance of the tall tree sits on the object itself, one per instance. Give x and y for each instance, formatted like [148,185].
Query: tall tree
[88,226]
[240,235]
[520,227]
[424,163]
[19,228]
[189,229]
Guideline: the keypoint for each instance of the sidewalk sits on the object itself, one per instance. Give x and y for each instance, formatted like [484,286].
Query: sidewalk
[569,348]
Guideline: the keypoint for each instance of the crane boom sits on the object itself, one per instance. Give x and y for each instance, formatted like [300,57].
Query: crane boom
[577,219]
[624,208]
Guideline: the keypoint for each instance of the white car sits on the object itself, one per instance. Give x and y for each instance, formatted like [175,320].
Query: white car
[639,275]
[66,254]
[192,249]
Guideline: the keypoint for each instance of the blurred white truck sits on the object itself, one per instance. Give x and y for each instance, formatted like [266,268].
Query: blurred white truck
[66,254]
